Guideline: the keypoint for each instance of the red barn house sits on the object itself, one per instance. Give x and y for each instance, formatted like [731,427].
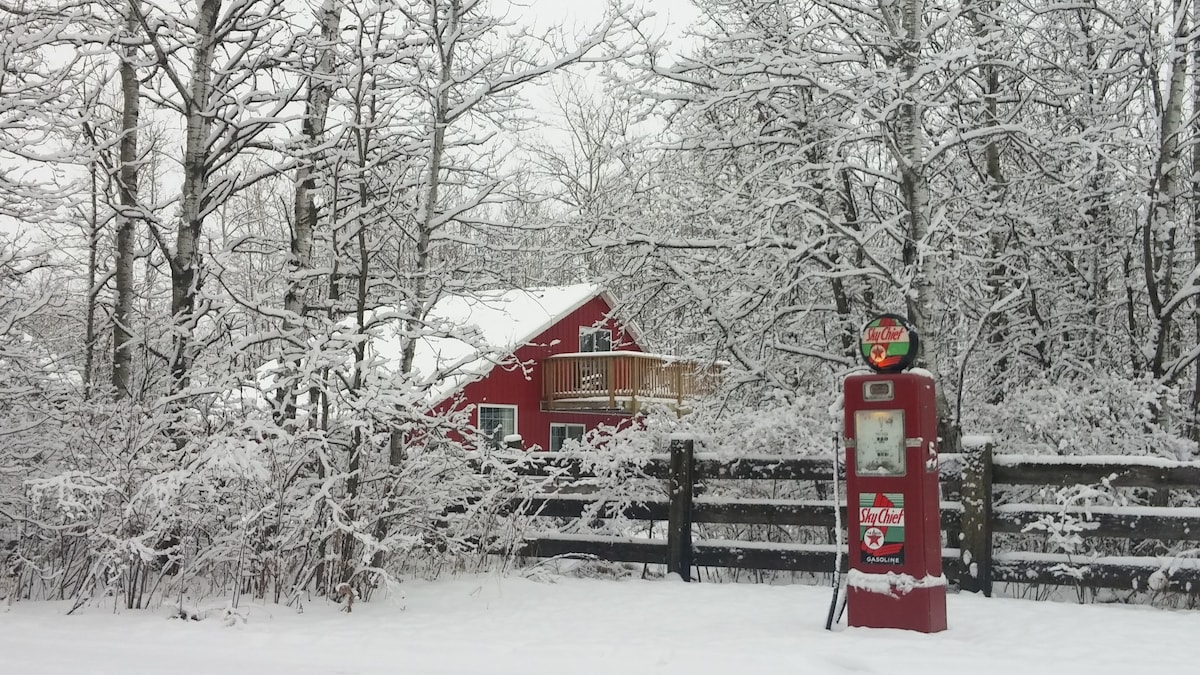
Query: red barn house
[554,364]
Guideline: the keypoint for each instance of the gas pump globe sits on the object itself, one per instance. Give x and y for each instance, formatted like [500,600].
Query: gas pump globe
[892,499]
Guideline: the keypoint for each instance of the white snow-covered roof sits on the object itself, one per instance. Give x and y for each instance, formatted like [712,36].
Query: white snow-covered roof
[465,336]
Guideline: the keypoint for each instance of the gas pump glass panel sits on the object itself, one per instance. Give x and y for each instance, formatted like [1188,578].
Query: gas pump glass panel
[879,442]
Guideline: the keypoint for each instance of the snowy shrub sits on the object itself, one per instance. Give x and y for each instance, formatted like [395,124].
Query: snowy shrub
[800,425]
[1095,416]
[1066,530]
[143,505]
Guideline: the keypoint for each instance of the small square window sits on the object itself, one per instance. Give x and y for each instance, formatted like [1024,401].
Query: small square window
[497,421]
[595,340]
[560,433]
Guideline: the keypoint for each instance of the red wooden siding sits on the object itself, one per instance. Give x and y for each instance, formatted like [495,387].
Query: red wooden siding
[510,385]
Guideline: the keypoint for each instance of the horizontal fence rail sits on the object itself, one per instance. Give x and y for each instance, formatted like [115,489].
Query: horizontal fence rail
[1177,572]
[803,512]
[708,466]
[1148,472]
[969,517]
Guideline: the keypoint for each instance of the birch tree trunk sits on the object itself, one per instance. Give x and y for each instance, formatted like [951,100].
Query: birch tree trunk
[1160,229]
[127,191]
[914,190]
[320,88]
[185,263]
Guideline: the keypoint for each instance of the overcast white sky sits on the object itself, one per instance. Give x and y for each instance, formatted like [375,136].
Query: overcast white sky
[671,18]
[671,15]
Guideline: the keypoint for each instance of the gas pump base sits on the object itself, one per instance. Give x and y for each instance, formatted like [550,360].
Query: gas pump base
[921,609]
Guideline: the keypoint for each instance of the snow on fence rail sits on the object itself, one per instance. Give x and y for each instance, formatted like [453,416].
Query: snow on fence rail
[1174,527]
[968,515]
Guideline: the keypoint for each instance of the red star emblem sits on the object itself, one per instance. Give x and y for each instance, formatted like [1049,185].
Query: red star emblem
[878,354]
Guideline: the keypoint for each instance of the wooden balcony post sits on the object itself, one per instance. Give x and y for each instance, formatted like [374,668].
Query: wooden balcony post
[610,369]
[636,370]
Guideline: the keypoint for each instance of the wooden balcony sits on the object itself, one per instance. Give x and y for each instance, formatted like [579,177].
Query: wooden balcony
[622,381]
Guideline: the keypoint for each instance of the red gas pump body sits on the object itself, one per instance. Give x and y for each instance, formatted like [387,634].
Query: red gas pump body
[894,527]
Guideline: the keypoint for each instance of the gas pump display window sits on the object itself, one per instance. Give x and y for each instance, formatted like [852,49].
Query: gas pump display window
[879,442]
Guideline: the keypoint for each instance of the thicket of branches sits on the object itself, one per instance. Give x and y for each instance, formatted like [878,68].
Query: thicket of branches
[211,206]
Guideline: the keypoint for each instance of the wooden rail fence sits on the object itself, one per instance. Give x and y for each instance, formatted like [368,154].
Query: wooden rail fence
[970,518]
[1164,528]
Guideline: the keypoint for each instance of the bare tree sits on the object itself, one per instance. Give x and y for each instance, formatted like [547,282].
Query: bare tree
[319,89]
[129,212]
[227,103]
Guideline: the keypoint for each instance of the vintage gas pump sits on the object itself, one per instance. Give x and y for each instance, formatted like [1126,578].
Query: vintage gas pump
[895,578]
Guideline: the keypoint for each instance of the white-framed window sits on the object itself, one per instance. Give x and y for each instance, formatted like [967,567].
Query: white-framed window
[496,422]
[595,339]
[561,432]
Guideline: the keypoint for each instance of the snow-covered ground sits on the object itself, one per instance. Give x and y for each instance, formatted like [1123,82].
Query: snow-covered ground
[495,625]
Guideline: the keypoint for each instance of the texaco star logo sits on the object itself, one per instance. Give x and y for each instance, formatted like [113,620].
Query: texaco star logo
[878,353]
[873,538]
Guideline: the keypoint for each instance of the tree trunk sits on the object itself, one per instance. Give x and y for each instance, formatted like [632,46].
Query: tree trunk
[89,356]
[996,323]
[320,89]
[439,121]
[185,263]
[127,190]
[1159,229]
[910,141]
[365,118]
[1194,421]
[419,302]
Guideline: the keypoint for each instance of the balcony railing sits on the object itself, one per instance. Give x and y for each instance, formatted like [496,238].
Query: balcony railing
[622,381]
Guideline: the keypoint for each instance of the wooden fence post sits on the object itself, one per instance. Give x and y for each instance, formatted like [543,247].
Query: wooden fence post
[679,525]
[975,546]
